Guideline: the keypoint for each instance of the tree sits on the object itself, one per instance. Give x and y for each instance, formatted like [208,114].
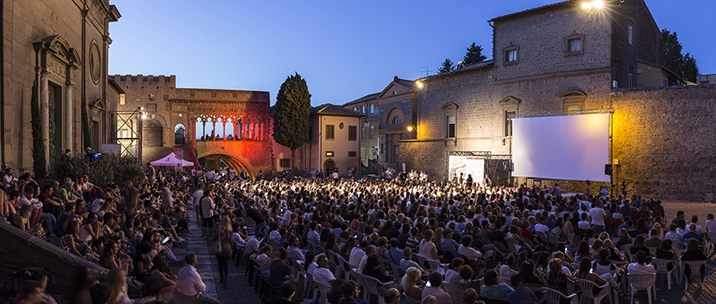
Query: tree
[474,54]
[670,52]
[447,67]
[39,166]
[290,117]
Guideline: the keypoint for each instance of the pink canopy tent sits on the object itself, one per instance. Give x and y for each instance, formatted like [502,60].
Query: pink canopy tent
[171,160]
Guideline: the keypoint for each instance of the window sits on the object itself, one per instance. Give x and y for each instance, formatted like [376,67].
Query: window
[355,109]
[330,132]
[352,133]
[372,131]
[396,120]
[285,162]
[509,115]
[352,154]
[122,99]
[372,108]
[362,132]
[630,77]
[451,126]
[511,56]
[575,45]
[630,34]
[573,101]
[362,109]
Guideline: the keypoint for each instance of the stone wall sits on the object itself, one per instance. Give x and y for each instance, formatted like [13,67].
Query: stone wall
[663,140]
[541,42]
[20,249]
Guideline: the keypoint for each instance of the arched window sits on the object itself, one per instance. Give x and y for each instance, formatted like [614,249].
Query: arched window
[179,134]
[395,117]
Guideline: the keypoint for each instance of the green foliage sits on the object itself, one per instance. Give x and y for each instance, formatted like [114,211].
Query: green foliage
[86,140]
[39,166]
[670,52]
[107,169]
[474,54]
[446,67]
[290,117]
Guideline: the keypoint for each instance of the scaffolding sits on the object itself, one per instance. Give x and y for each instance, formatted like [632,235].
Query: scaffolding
[126,127]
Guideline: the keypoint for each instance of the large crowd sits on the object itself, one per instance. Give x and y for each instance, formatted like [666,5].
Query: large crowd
[330,240]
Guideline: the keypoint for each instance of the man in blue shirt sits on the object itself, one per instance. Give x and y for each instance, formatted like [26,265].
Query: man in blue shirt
[693,235]
[521,294]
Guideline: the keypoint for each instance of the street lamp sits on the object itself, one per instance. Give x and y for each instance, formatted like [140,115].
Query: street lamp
[597,4]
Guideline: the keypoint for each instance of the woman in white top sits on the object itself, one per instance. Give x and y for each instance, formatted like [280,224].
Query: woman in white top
[427,247]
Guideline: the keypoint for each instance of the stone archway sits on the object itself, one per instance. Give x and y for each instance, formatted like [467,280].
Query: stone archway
[329,166]
[215,161]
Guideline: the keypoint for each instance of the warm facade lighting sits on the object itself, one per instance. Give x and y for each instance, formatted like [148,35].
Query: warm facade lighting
[410,128]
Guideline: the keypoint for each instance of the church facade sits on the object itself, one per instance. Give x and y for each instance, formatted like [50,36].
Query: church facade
[59,49]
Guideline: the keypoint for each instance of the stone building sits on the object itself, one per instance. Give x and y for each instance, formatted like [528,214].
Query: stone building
[552,60]
[63,47]
[217,128]
[390,117]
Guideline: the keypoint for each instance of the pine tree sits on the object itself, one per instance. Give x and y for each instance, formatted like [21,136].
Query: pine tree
[446,67]
[474,54]
[672,58]
[38,147]
[290,117]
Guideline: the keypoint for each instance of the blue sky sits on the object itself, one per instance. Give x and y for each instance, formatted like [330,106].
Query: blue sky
[344,49]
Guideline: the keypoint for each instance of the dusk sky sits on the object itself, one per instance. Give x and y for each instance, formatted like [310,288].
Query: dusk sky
[344,49]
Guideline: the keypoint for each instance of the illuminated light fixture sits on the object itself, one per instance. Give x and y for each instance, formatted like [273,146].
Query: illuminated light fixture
[419,84]
[144,115]
[598,4]
[410,128]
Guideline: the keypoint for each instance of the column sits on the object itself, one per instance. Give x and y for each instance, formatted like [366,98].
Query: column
[213,129]
[68,121]
[235,121]
[45,115]
[203,128]
[223,122]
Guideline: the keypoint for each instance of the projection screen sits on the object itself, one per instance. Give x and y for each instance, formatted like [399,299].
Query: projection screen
[572,147]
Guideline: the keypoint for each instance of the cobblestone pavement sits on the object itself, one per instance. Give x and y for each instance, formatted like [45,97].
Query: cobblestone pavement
[236,289]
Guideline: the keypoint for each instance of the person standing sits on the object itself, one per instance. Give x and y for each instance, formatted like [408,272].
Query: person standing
[224,248]
[207,211]
[597,214]
[151,173]
[190,287]
[196,200]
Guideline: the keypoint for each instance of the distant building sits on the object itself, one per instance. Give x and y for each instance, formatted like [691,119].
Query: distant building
[334,143]
[390,117]
[62,46]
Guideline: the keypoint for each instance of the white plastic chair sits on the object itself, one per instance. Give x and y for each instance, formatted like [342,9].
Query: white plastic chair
[694,266]
[374,287]
[343,264]
[358,278]
[553,296]
[642,282]
[585,287]
[625,248]
[661,266]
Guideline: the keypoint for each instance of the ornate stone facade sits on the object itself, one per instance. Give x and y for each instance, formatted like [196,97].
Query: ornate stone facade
[229,126]
[63,46]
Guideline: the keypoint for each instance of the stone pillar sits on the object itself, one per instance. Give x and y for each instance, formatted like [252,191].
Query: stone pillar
[223,121]
[213,129]
[68,121]
[45,115]
[203,128]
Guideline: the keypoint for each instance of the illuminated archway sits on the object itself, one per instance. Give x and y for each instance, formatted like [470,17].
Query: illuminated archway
[220,161]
